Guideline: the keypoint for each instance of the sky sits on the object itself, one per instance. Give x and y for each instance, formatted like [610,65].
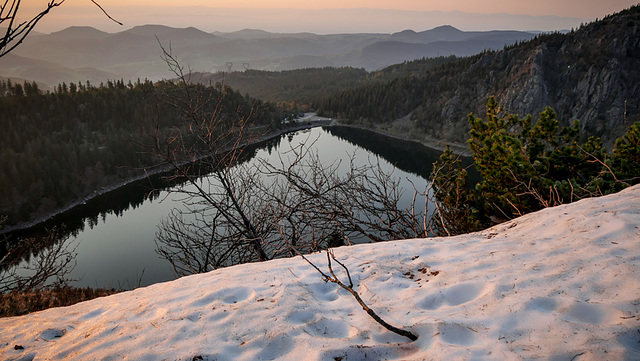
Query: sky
[578,8]
[331,16]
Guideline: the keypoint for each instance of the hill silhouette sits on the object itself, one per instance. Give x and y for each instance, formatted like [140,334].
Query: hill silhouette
[135,53]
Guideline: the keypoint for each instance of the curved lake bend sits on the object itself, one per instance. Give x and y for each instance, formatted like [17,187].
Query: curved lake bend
[114,233]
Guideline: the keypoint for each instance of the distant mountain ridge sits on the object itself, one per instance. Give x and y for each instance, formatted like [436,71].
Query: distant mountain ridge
[591,74]
[135,53]
[76,33]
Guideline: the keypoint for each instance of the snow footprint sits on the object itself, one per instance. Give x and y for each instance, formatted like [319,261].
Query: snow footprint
[226,295]
[453,296]
[631,340]
[328,328]
[542,304]
[236,295]
[377,352]
[456,334]
[276,348]
[92,314]
[52,334]
[593,313]
[322,291]
[301,317]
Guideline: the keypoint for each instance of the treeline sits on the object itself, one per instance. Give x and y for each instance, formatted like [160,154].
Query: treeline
[423,95]
[379,102]
[304,86]
[62,146]
[589,74]
[298,86]
[386,101]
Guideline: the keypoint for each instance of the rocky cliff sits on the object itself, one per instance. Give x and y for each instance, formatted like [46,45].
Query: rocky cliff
[591,74]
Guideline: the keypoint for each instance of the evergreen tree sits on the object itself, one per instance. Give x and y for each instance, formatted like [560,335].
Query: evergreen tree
[526,166]
[626,156]
[454,199]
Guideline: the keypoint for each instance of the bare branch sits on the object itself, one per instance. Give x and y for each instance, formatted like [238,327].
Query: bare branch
[16,32]
[334,279]
[105,12]
[52,259]
[605,165]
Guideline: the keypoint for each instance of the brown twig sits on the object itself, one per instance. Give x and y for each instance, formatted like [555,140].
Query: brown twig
[105,12]
[334,279]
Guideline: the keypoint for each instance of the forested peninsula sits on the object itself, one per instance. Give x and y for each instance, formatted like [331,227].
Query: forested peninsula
[65,146]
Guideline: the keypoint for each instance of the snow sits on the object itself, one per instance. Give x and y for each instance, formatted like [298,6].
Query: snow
[559,284]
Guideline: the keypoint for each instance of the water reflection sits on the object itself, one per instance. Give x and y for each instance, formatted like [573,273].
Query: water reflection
[408,156]
[116,231]
[33,263]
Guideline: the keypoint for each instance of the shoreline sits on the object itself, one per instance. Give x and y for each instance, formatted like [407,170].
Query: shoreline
[147,173]
[309,122]
[456,148]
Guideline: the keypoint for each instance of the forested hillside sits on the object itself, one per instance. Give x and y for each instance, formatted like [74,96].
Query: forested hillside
[590,74]
[61,147]
[303,86]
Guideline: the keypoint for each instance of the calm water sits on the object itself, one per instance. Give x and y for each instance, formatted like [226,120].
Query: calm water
[114,234]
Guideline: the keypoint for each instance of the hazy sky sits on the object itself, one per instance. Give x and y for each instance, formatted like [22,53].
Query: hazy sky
[333,16]
[570,8]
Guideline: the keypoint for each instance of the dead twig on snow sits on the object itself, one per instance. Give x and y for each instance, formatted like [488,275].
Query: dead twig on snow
[333,278]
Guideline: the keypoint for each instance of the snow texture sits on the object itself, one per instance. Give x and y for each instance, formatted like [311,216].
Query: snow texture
[559,284]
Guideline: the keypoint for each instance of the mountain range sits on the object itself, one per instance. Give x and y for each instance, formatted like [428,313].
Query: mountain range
[84,53]
[591,74]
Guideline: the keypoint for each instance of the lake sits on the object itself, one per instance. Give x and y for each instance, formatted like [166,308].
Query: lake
[114,233]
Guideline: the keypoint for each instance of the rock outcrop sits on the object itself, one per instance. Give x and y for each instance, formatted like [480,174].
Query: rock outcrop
[591,74]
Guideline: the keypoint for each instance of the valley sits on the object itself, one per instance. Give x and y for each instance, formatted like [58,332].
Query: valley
[84,53]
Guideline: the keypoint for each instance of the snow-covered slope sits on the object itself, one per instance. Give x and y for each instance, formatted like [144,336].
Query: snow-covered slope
[559,284]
